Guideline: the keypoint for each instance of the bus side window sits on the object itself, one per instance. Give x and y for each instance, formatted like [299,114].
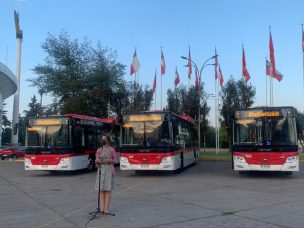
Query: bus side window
[79,139]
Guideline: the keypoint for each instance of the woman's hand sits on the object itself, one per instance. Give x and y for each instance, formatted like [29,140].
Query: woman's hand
[98,161]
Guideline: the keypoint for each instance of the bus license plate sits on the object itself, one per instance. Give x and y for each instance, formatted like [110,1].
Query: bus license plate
[265,166]
[45,166]
[144,166]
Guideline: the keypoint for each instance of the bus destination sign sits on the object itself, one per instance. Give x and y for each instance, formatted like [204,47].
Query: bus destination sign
[141,118]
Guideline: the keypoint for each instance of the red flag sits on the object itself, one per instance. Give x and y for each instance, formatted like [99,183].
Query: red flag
[271,50]
[163,64]
[154,84]
[275,74]
[215,65]
[189,65]
[176,80]
[221,77]
[245,72]
[197,80]
[135,64]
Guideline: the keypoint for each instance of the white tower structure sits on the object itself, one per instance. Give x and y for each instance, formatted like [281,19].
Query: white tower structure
[8,87]
[15,122]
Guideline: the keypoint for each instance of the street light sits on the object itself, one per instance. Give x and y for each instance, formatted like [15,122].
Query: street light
[208,95]
[199,92]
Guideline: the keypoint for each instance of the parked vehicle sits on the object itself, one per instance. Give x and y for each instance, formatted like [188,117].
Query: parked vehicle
[12,152]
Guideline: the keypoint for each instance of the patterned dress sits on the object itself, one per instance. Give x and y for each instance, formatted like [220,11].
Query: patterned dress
[107,178]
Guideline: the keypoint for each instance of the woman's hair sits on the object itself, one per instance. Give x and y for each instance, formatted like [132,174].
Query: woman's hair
[108,137]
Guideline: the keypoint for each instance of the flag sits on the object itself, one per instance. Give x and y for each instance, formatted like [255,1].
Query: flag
[245,72]
[268,68]
[215,65]
[189,65]
[221,77]
[176,80]
[271,53]
[275,74]
[135,65]
[163,64]
[154,84]
[197,80]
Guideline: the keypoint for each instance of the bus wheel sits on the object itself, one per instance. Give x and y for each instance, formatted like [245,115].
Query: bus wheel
[182,162]
[243,172]
[14,156]
[91,164]
[288,173]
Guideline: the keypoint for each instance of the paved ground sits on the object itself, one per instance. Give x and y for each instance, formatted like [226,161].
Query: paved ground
[207,195]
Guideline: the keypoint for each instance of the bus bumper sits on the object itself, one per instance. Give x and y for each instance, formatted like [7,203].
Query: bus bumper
[167,163]
[242,165]
[63,165]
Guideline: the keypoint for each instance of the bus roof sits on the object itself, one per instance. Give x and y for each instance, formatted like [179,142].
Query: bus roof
[103,120]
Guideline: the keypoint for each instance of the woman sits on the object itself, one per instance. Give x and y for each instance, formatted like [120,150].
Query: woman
[105,160]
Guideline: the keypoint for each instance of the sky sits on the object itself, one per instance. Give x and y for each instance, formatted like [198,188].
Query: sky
[174,25]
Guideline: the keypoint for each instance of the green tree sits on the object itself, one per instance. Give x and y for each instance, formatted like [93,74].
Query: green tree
[86,80]
[235,95]
[185,101]
[35,108]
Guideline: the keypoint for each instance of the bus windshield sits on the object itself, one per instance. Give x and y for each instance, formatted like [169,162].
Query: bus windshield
[265,131]
[146,133]
[48,134]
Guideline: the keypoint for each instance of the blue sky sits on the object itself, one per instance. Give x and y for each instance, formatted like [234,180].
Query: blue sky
[173,24]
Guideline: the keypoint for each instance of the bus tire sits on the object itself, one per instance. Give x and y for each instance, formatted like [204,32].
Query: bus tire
[195,158]
[288,173]
[243,172]
[91,164]
[14,156]
[182,162]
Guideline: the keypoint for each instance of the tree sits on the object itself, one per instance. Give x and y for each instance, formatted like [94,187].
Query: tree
[86,80]
[185,101]
[235,95]
[35,108]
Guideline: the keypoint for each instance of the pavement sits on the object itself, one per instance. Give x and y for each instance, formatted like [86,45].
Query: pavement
[209,194]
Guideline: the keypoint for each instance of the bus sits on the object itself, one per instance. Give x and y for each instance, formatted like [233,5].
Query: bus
[66,143]
[158,140]
[265,139]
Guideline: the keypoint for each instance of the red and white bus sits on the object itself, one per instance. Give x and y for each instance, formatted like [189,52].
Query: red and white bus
[66,143]
[265,139]
[158,140]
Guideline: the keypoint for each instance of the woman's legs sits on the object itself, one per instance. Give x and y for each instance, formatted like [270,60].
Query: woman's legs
[102,201]
[107,201]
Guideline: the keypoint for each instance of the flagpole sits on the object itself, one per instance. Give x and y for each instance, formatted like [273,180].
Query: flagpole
[155,88]
[303,54]
[215,114]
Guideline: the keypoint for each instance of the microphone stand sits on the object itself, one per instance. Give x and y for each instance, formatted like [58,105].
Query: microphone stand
[93,214]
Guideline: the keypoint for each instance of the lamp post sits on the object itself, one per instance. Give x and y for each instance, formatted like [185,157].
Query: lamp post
[15,120]
[199,92]
[206,98]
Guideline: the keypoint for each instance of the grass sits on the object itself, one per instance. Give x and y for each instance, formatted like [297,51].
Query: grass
[209,154]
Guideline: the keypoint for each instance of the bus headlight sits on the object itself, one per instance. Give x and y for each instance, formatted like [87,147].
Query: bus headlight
[291,159]
[124,160]
[240,159]
[166,160]
[27,161]
[64,160]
